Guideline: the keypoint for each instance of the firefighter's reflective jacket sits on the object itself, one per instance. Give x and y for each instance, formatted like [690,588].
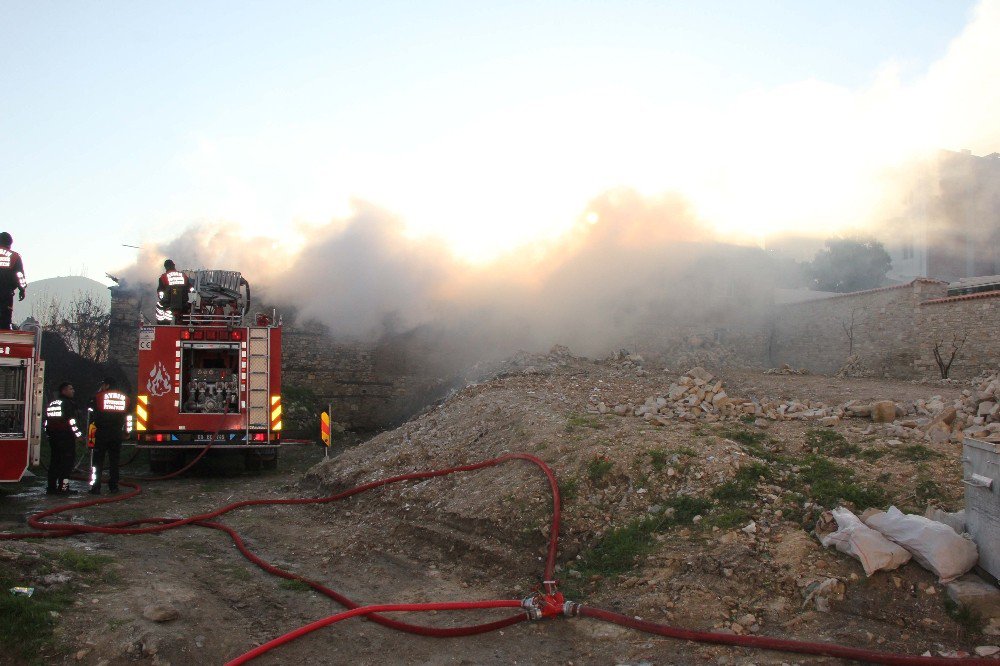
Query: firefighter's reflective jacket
[60,417]
[172,290]
[11,270]
[110,413]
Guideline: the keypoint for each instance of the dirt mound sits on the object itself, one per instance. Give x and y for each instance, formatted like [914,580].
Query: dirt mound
[703,521]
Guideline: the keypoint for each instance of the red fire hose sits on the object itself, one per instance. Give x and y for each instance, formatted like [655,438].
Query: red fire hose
[546,604]
[368,610]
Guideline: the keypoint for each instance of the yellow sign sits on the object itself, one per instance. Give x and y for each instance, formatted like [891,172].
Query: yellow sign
[324,428]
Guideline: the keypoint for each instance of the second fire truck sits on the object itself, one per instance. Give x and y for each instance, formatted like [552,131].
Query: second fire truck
[211,377]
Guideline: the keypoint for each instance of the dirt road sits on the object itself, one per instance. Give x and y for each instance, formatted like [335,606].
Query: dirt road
[227,605]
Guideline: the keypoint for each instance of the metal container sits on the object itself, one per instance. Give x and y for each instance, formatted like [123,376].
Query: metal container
[981,476]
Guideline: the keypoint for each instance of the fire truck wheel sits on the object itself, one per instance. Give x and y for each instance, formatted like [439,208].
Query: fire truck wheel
[272,462]
[164,462]
[252,462]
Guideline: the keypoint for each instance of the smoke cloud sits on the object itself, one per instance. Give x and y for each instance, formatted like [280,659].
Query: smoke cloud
[809,157]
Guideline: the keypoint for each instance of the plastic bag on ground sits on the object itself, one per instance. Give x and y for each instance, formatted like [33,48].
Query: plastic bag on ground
[934,545]
[853,537]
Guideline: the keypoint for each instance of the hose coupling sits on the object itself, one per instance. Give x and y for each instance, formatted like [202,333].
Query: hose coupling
[531,608]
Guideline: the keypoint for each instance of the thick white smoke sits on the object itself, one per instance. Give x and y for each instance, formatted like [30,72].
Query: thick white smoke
[810,156]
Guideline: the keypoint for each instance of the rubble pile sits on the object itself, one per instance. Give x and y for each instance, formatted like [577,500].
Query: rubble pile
[721,513]
[854,367]
[979,409]
[786,369]
[698,395]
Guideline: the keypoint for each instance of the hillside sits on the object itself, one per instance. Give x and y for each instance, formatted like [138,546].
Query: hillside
[63,289]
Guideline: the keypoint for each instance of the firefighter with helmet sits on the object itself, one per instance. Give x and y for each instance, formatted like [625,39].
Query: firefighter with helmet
[172,290]
[11,278]
[110,414]
[61,427]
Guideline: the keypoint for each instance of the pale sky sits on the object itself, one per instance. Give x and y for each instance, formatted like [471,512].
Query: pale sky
[486,124]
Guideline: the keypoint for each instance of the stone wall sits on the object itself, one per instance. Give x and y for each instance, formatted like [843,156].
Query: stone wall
[974,318]
[341,373]
[893,329]
[123,333]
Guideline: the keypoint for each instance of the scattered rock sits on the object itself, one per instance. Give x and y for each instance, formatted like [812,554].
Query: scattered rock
[973,592]
[159,612]
[883,411]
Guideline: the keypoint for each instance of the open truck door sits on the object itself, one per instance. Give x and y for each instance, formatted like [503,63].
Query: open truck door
[22,382]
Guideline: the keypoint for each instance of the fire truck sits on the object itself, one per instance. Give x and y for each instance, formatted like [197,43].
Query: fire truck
[22,380]
[211,377]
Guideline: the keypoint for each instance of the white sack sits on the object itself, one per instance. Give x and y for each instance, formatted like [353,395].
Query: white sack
[934,545]
[955,521]
[853,537]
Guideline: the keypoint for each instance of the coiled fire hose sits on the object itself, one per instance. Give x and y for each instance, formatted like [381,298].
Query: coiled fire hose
[547,603]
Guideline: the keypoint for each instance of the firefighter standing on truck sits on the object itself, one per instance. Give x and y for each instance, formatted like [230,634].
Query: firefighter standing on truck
[11,278]
[110,413]
[61,427]
[172,290]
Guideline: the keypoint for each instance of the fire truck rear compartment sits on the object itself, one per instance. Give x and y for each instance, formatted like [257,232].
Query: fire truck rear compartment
[210,378]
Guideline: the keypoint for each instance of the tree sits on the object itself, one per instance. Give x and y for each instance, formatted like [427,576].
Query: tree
[83,326]
[849,331]
[956,346]
[850,264]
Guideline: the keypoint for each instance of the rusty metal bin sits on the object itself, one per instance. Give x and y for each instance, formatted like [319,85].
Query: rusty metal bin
[981,476]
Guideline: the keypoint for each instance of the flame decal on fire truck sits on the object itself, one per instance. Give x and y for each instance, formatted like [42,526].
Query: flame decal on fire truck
[159,380]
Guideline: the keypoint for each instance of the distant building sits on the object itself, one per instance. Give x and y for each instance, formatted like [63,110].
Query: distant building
[950,227]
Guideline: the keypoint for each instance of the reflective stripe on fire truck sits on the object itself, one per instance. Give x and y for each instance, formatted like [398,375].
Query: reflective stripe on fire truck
[276,412]
[141,412]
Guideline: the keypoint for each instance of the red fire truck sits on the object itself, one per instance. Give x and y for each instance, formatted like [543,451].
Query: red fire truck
[211,377]
[22,378]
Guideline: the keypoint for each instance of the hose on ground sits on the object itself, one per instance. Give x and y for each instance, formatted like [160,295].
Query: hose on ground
[546,604]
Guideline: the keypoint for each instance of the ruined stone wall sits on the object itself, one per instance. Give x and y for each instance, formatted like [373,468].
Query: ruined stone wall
[123,333]
[880,327]
[341,373]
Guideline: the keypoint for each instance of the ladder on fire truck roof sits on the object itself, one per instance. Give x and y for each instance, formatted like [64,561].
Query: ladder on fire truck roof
[259,380]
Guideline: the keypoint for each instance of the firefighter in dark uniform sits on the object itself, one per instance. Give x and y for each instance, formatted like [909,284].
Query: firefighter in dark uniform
[11,278]
[110,414]
[172,290]
[61,427]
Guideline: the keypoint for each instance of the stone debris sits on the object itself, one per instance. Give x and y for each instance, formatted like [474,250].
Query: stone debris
[160,612]
[854,367]
[699,395]
[786,369]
